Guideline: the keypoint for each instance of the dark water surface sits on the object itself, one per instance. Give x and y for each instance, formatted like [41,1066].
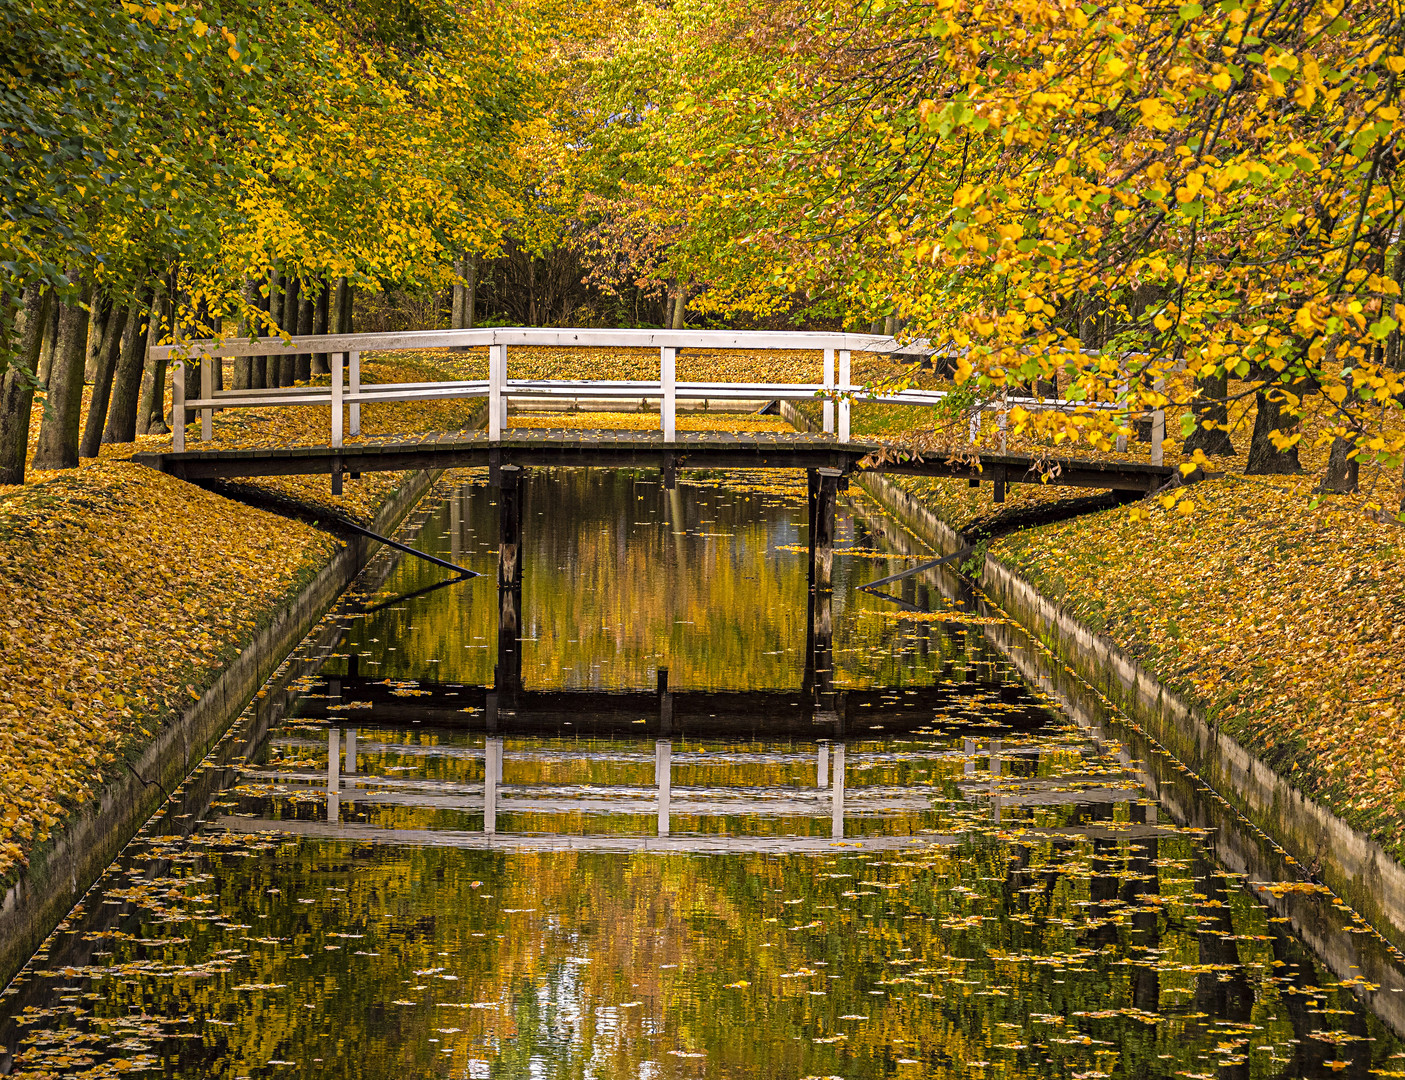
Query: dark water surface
[695,823]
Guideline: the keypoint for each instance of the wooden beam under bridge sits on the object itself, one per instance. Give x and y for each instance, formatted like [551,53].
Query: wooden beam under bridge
[626,449]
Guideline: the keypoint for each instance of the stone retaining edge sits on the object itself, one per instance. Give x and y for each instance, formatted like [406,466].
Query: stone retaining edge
[1348,861]
[83,846]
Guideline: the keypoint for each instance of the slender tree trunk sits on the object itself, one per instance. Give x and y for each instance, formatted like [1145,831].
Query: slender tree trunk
[102,314]
[457,300]
[288,362]
[266,366]
[102,383]
[58,431]
[243,374]
[50,343]
[322,362]
[680,307]
[307,310]
[126,386]
[348,311]
[17,385]
[1264,457]
[531,291]
[470,299]
[1210,406]
[151,412]
[341,311]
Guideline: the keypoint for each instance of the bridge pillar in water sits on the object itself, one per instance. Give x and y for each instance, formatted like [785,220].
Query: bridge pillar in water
[665,703]
[508,677]
[824,495]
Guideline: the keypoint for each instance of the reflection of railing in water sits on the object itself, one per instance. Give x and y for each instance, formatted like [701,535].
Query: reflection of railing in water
[832,797]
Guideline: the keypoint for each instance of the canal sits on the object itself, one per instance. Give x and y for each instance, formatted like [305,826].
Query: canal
[689,820]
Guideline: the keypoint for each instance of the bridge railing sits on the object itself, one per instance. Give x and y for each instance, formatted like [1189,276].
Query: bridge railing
[346,394]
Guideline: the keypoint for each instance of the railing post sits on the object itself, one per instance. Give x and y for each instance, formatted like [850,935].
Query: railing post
[355,362]
[668,406]
[207,391]
[336,398]
[1158,428]
[845,363]
[829,391]
[836,787]
[1123,388]
[663,778]
[497,384]
[178,407]
[975,423]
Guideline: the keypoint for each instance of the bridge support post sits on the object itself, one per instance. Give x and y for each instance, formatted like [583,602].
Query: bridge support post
[826,495]
[668,406]
[844,375]
[508,677]
[665,703]
[207,391]
[829,391]
[178,407]
[818,680]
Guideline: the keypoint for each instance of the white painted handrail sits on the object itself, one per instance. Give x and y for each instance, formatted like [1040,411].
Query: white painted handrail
[838,394]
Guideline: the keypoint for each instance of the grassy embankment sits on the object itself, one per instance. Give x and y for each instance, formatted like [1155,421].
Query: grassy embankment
[124,592]
[1283,620]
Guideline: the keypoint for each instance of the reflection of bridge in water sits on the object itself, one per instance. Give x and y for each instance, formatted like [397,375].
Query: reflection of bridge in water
[832,799]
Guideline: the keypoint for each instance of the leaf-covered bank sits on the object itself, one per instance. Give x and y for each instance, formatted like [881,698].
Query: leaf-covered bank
[124,593]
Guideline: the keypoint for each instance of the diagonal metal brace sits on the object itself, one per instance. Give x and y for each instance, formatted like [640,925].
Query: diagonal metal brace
[910,571]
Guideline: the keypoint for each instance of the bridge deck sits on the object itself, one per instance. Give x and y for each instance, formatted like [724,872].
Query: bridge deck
[635,449]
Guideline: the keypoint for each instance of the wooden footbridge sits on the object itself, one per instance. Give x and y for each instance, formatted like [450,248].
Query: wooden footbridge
[831,456]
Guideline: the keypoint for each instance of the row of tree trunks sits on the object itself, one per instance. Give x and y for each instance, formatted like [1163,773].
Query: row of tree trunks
[298,309]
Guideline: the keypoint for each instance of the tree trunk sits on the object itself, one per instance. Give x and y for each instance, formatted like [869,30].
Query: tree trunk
[457,302]
[1210,406]
[243,374]
[17,387]
[322,362]
[1342,475]
[347,325]
[288,362]
[1265,459]
[307,310]
[151,413]
[102,314]
[58,431]
[126,386]
[103,379]
[340,297]
[470,300]
[50,343]
[531,291]
[273,304]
